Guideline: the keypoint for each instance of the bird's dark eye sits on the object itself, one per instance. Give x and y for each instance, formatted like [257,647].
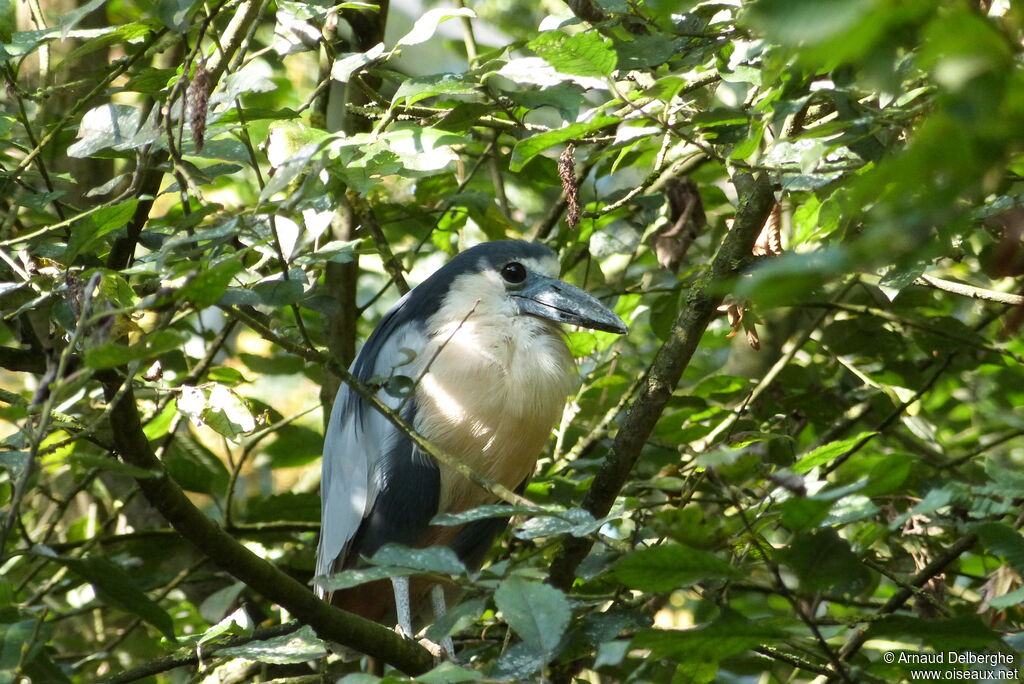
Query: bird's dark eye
[513,272]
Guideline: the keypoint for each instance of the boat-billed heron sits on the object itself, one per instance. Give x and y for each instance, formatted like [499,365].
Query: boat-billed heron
[481,339]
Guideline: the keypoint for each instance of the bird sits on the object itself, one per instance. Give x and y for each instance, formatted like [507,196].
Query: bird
[481,339]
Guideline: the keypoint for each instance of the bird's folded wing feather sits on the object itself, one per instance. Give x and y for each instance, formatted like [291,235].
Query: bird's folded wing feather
[358,439]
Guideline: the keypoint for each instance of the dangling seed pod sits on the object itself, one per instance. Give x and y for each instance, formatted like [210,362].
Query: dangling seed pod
[567,172]
[198,99]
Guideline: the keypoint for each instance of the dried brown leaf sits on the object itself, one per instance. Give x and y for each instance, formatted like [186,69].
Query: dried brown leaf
[769,242]
[686,219]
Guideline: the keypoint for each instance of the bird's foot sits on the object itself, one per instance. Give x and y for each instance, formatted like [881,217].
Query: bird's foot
[441,651]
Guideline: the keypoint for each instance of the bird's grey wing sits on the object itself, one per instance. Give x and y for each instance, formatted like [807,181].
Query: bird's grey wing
[358,442]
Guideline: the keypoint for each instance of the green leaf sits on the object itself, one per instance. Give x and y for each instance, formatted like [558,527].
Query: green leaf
[206,287]
[727,636]
[799,513]
[1013,599]
[437,559]
[293,446]
[124,33]
[69,20]
[174,14]
[427,24]
[346,579]
[582,54]
[278,364]
[115,586]
[278,293]
[14,638]
[959,634]
[456,619]
[284,507]
[228,414]
[671,566]
[1002,540]
[887,475]
[24,42]
[827,452]
[225,375]
[575,521]
[482,512]
[416,89]
[798,22]
[14,462]
[463,116]
[527,149]
[644,51]
[106,462]
[195,468]
[538,613]
[98,224]
[346,65]
[110,126]
[822,561]
[449,673]
[298,647]
[112,354]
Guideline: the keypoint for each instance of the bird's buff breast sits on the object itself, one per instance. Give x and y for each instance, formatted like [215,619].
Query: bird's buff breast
[490,398]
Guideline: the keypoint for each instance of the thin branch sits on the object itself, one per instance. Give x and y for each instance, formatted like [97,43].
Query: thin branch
[929,328]
[956,462]
[790,349]
[243,530]
[970,291]
[191,655]
[891,418]
[391,264]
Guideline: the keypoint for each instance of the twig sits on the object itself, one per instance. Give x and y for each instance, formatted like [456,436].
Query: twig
[910,323]
[970,290]
[982,449]
[467,36]
[780,584]
[790,350]
[891,418]
[190,656]
[391,263]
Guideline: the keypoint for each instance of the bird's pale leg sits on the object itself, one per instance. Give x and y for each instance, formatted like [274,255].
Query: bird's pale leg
[403,606]
[437,598]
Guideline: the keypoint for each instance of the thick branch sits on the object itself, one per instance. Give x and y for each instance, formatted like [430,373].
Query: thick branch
[586,10]
[755,202]
[164,494]
[22,360]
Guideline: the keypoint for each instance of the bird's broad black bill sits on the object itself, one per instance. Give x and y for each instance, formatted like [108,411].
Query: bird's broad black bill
[557,300]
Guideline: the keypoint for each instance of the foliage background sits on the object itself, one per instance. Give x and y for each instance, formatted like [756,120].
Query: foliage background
[206,205]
